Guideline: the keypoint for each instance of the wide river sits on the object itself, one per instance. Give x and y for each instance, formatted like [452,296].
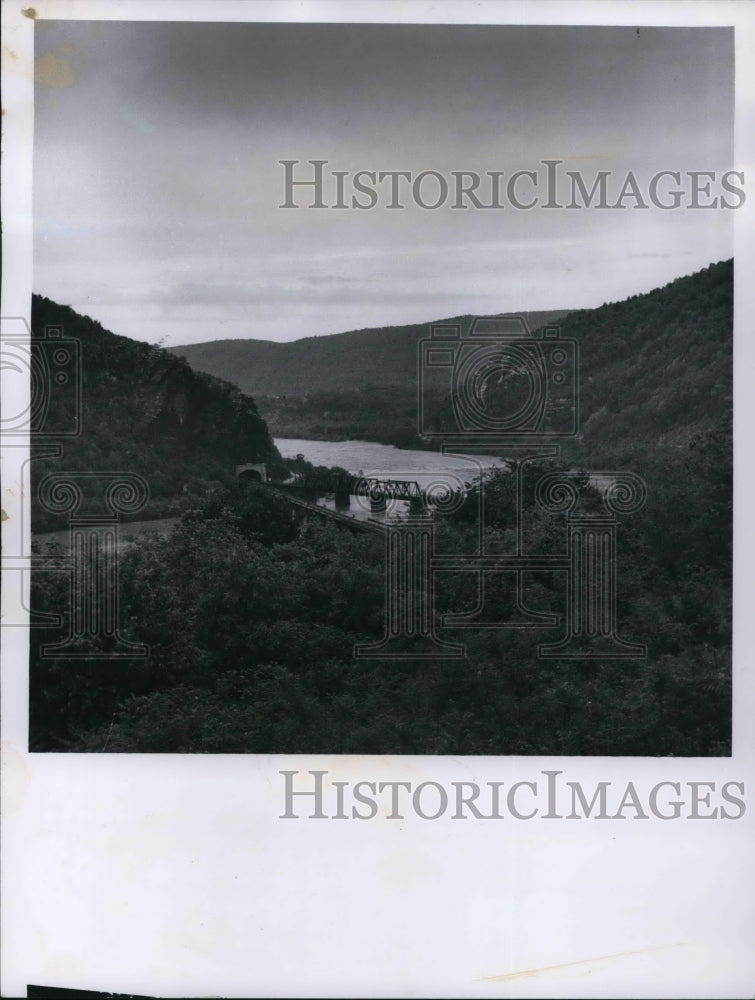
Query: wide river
[433,472]
[371,459]
[429,469]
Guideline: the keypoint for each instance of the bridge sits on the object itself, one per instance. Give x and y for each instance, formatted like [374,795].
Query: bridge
[308,507]
[303,493]
[377,491]
[389,489]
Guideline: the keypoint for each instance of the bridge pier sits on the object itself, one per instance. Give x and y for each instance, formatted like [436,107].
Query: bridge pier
[343,499]
[378,503]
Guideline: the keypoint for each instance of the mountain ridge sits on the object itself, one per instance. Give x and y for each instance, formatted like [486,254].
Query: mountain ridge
[145,411]
[296,367]
[655,369]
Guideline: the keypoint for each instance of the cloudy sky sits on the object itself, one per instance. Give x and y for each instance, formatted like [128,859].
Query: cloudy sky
[157,181]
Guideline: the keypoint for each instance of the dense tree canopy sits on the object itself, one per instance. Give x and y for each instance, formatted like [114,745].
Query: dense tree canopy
[251,615]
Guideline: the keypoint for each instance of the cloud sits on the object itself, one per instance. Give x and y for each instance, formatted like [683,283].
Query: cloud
[157,175]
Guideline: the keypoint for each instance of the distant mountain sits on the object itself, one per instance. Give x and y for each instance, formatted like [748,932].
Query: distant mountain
[655,370]
[144,410]
[360,384]
[252,626]
[360,359]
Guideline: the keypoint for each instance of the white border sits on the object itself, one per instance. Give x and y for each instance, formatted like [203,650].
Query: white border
[172,875]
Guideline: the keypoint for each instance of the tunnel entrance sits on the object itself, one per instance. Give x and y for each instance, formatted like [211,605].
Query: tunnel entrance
[251,472]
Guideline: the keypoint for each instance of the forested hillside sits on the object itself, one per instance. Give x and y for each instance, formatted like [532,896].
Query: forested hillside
[251,619]
[360,385]
[143,410]
[654,369]
[251,625]
[359,359]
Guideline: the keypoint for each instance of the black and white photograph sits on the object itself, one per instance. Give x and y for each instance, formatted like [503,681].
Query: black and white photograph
[369,438]
[492,339]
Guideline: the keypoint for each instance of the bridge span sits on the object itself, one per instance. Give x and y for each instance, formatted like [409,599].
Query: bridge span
[304,494]
[309,507]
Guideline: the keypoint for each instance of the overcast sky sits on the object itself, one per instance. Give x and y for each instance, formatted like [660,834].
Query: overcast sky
[157,182]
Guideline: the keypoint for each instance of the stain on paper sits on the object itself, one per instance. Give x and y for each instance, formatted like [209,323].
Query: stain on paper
[16,778]
[52,70]
[506,976]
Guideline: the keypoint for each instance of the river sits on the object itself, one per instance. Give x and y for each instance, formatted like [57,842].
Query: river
[372,459]
[435,473]
[431,470]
